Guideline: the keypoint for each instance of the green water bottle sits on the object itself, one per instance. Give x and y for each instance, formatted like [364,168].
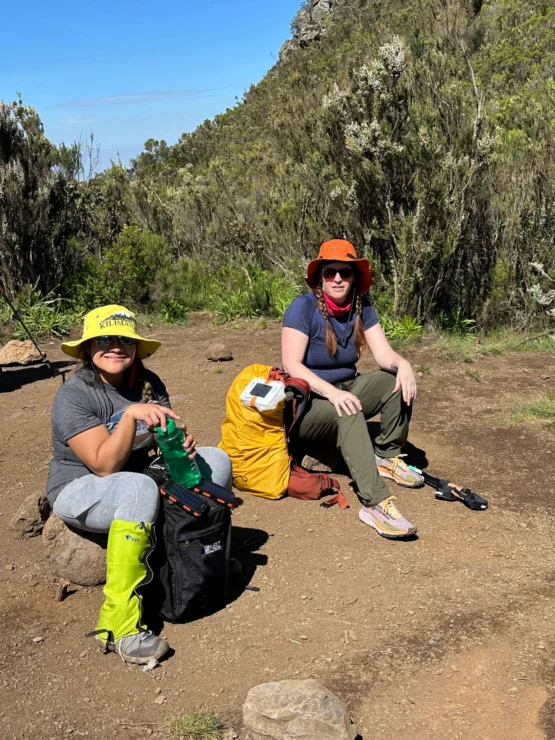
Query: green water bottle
[183,469]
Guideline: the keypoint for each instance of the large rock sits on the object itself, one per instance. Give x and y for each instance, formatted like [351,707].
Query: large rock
[295,710]
[310,24]
[218,352]
[77,556]
[19,353]
[29,519]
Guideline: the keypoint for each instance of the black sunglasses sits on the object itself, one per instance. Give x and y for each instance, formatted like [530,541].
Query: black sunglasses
[328,273]
[106,341]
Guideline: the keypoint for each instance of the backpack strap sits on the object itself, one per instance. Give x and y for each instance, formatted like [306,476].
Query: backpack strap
[300,391]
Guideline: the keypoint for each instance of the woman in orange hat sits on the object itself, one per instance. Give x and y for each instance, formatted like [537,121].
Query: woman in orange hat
[324,334]
[101,436]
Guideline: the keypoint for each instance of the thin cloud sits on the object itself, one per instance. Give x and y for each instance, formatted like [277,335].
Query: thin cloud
[74,119]
[133,98]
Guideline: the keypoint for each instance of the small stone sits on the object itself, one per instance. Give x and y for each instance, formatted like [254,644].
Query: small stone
[218,352]
[158,691]
[303,637]
[9,567]
[38,639]
[160,700]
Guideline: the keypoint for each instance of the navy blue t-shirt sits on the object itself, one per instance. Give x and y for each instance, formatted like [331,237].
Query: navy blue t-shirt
[305,316]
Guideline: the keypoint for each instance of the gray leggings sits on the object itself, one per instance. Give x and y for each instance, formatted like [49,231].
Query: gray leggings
[92,502]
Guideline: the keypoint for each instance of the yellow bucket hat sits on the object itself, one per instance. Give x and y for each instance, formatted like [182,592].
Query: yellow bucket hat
[111,321]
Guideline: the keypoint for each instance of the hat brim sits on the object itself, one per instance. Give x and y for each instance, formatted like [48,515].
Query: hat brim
[145,347]
[363,267]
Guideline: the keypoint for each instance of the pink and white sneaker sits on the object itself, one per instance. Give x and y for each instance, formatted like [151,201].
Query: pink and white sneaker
[387,520]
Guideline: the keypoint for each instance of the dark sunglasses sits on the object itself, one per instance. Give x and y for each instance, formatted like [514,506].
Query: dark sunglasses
[105,342]
[328,273]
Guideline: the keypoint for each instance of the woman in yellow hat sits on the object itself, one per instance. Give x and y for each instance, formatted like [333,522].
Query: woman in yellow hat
[324,334]
[100,436]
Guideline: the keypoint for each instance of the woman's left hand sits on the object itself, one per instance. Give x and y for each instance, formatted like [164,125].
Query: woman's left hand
[189,442]
[406,382]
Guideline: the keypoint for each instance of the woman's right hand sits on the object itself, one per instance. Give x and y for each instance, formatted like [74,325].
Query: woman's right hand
[152,413]
[344,401]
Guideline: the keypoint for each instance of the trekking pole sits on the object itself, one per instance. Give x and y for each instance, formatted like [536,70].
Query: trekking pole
[18,317]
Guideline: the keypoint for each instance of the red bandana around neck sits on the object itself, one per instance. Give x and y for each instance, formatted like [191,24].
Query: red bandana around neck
[335,310]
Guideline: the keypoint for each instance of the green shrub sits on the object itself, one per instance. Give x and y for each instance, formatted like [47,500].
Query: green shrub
[90,286]
[132,263]
[401,329]
[173,312]
[44,316]
[455,323]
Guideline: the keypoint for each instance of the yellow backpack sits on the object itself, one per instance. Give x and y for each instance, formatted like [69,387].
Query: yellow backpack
[255,441]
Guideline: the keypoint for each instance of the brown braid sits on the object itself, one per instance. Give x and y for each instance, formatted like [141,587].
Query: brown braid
[360,339]
[331,340]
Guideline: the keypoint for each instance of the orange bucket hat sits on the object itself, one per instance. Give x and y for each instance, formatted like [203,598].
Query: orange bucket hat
[339,250]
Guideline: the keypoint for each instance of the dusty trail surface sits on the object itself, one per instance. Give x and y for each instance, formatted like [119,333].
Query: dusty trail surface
[450,635]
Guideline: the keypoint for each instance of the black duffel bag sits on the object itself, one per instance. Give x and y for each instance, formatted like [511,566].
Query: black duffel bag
[192,558]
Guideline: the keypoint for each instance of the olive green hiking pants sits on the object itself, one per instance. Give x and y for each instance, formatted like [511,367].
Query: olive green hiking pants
[322,432]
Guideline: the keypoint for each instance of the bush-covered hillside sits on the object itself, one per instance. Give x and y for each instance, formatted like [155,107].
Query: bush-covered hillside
[423,131]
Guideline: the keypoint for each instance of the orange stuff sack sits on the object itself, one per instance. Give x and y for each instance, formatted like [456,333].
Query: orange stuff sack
[255,441]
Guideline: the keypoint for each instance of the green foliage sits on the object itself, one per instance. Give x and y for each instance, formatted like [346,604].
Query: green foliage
[173,312]
[132,262]
[401,329]
[194,726]
[43,315]
[541,409]
[455,323]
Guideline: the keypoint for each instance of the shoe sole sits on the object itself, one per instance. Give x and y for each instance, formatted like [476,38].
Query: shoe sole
[385,473]
[384,533]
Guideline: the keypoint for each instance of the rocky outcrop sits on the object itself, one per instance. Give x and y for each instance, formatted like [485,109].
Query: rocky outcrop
[309,25]
[296,709]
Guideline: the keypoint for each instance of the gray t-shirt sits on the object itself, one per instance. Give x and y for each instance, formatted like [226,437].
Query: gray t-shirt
[79,406]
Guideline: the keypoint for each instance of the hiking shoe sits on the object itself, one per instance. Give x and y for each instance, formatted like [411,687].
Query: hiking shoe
[397,469]
[139,648]
[387,520]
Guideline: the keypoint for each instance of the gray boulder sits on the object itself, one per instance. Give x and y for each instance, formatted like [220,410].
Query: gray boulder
[29,519]
[76,556]
[296,710]
[19,353]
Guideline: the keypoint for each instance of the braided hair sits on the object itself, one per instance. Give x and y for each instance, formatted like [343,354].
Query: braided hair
[331,340]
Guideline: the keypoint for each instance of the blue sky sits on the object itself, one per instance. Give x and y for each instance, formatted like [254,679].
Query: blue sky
[129,71]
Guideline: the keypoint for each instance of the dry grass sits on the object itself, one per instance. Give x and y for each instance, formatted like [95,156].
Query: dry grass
[194,726]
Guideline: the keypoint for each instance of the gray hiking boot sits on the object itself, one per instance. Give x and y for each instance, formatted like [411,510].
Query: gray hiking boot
[139,648]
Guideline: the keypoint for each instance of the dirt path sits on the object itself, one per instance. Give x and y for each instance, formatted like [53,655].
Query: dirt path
[446,636]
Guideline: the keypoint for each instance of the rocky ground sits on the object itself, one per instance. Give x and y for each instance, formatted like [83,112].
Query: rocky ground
[448,635]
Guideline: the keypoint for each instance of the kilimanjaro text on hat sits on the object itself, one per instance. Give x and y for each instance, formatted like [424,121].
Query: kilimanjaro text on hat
[119,319]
